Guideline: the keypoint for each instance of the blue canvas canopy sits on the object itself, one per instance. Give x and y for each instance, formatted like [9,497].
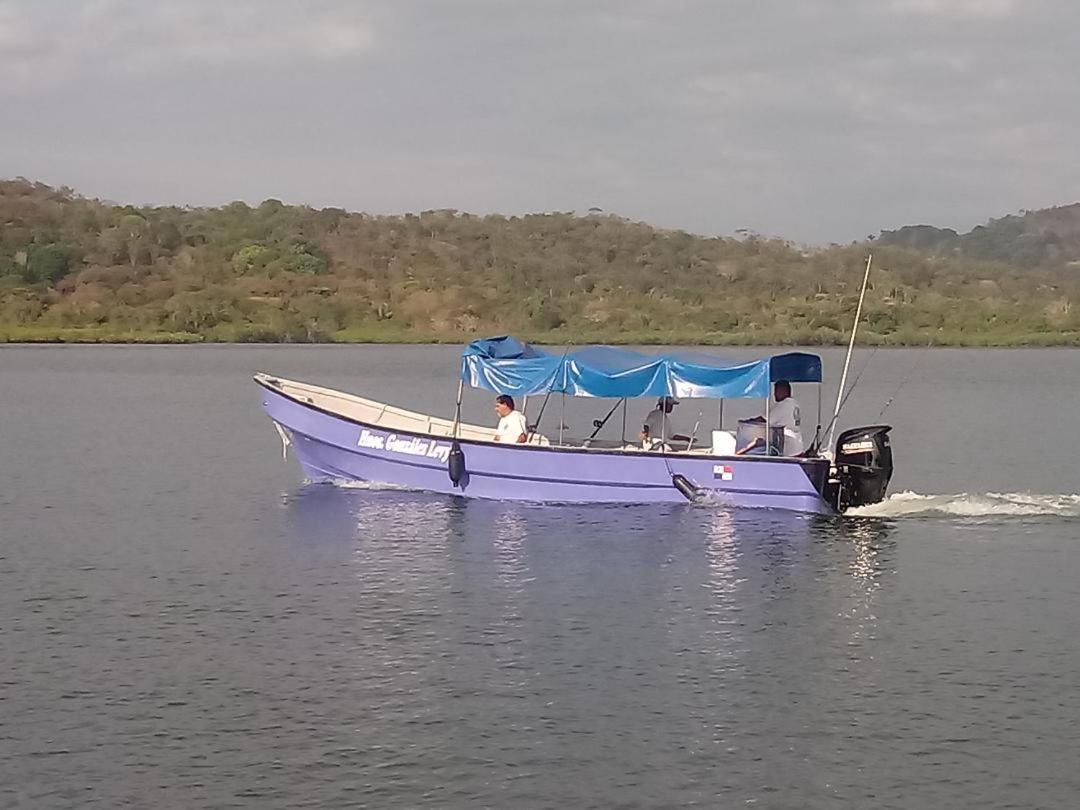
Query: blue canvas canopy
[509,366]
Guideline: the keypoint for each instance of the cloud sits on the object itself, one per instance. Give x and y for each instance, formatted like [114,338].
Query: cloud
[48,42]
[958,9]
[818,121]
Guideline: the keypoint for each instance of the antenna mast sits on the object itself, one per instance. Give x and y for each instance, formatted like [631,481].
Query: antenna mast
[850,348]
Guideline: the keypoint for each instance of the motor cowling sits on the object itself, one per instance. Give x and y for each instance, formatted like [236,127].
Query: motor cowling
[862,467]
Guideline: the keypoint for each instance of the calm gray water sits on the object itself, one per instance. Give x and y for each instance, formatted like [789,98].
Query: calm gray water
[185,623]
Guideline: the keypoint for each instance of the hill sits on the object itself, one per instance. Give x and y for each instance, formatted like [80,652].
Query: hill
[79,269]
[1047,237]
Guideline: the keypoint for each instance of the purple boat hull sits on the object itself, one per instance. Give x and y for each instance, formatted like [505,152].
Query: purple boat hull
[332,447]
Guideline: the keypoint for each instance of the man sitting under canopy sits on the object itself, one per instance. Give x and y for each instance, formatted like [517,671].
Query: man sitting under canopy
[785,413]
[657,428]
[512,428]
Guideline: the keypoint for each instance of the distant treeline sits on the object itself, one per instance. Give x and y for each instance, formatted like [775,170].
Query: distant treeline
[79,269]
[1047,237]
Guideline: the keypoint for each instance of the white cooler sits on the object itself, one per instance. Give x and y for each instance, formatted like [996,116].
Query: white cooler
[723,443]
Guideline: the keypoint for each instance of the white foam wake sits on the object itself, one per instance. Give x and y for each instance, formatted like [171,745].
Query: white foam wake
[990,504]
[351,483]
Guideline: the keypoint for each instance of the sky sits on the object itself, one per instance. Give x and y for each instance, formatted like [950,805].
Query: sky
[812,120]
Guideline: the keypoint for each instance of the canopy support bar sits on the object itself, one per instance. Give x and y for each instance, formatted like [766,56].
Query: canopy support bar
[817,431]
[457,409]
[768,427]
[562,419]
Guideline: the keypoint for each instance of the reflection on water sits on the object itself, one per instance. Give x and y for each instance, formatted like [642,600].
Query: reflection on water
[870,566]
[510,530]
[578,630]
[735,546]
[706,574]
[721,552]
[872,558]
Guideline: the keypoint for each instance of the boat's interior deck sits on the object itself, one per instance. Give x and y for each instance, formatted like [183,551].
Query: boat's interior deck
[374,413]
[389,417]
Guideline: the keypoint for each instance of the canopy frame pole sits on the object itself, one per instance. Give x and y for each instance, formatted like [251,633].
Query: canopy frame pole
[457,409]
[624,420]
[525,408]
[768,426]
[720,415]
[562,419]
[850,348]
[817,430]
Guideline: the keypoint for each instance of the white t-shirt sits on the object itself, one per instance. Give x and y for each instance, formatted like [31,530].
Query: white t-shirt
[510,427]
[660,428]
[659,425]
[786,415]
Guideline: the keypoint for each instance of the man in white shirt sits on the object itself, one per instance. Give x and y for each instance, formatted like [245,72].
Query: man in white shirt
[512,425]
[785,414]
[657,428]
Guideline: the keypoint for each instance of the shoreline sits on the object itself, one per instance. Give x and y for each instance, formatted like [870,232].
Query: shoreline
[105,337]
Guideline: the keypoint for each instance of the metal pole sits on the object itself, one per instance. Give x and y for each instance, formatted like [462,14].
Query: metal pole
[562,418]
[817,432]
[624,420]
[768,427]
[720,415]
[525,406]
[850,348]
[457,410]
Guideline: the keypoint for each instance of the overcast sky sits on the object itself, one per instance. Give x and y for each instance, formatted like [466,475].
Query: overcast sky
[815,121]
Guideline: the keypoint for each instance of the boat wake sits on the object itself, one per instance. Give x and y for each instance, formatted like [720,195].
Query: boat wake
[988,505]
[371,486]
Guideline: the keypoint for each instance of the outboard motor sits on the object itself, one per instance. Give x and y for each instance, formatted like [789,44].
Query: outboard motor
[862,467]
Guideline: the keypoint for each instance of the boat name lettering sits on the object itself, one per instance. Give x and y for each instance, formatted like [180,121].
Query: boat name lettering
[411,446]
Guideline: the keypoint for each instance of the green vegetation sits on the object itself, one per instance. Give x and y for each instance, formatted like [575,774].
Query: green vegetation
[1028,239]
[73,269]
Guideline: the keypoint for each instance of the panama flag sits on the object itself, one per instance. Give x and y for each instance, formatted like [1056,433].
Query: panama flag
[724,472]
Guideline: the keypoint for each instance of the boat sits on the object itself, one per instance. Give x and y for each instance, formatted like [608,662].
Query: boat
[339,436]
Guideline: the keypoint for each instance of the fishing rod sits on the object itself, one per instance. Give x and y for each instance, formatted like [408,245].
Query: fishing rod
[907,378]
[543,405]
[850,349]
[693,434]
[539,416]
[599,423]
[843,401]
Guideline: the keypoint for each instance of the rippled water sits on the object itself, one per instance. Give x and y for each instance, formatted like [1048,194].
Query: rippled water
[186,624]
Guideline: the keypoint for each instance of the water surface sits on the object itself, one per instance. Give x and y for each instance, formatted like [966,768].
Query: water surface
[187,624]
